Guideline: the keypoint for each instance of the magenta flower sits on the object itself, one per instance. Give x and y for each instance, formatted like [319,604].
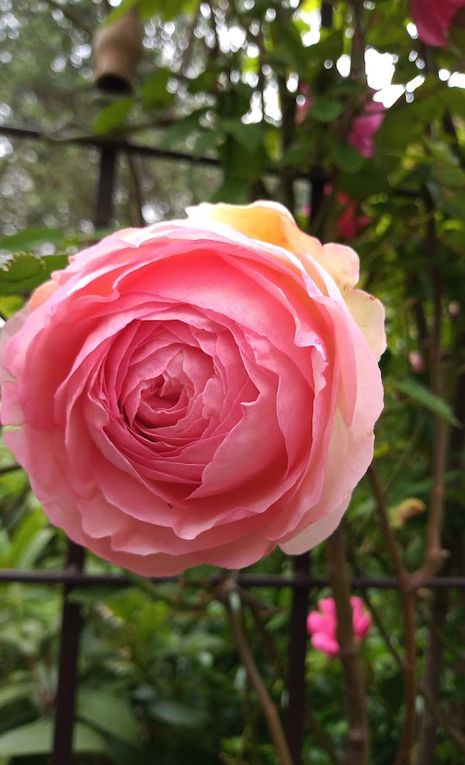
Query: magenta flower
[433,19]
[365,128]
[322,624]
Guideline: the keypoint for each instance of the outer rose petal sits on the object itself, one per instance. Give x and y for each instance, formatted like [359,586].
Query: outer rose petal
[271,222]
[369,314]
[433,18]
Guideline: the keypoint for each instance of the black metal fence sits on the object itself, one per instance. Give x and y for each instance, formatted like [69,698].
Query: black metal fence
[74,574]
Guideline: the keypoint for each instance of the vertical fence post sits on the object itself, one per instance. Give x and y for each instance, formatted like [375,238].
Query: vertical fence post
[106,185]
[71,622]
[297,653]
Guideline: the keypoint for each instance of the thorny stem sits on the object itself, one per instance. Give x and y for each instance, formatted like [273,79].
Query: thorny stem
[358,744]
[268,707]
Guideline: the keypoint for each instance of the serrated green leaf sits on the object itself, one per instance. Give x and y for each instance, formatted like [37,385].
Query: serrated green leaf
[22,272]
[423,396]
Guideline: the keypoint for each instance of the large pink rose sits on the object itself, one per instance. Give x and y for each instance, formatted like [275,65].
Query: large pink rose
[197,391]
[433,18]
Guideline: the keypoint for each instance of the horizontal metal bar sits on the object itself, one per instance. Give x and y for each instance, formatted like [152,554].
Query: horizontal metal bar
[65,576]
[102,141]
[150,151]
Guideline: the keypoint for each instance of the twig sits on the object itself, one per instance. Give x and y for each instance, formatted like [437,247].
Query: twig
[434,555]
[408,597]
[431,685]
[9,469]
[187,52]
[71,15]
[358,744]
[269,709]
[135,194]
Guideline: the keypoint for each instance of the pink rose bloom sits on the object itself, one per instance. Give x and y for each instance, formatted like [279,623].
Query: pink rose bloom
[197,391]
[322,624]
[365,128]
[433,18]
[350,222]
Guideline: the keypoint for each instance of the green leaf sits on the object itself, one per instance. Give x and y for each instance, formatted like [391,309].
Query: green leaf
[423,396]
[207,141]
[346,158]
[297,154]
[154,90]
[14,693]
[250,136]
[113,115]
[182,129]
[22,272]
[120,11]
[172,713]
[110,714]
[326,110]
[30,238]
[37,737]
[233,190]
[29,540]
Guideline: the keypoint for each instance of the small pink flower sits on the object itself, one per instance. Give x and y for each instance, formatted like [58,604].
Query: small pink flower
[416,362]
[433,19]
[454,309]
[365,128]
[305,99]
[322,624]
[350,222]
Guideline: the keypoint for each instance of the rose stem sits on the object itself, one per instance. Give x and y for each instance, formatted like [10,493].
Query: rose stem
[269,709]
[354,682]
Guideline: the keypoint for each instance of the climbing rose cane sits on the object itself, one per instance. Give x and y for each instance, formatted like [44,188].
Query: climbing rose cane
[322,624]
[198,391]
